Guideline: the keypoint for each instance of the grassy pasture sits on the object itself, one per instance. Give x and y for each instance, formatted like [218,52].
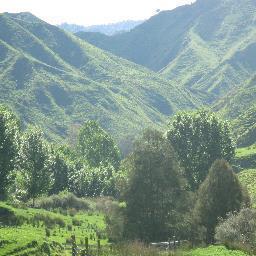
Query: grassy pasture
[28,237]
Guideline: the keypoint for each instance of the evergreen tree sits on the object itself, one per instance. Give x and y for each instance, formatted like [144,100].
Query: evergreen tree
[218,195]
[155,190]
[199,138]
[9,130]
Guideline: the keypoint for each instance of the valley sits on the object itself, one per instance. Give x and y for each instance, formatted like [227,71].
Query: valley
[111,141]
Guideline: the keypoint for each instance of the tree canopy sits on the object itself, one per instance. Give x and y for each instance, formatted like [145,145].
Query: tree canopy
[219,194]
[97,146]
[155,189]
[9,130]
[34,163]
[200,138]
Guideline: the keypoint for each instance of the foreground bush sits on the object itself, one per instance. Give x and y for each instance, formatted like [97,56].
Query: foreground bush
[239,230]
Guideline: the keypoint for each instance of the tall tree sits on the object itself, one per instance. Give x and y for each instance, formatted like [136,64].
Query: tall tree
[218,195]
[200,138]
[9,130]
[155,189]
[34,163]
[97,147]
[60,170]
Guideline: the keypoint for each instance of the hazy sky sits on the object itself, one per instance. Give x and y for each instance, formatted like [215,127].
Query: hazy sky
[89,12]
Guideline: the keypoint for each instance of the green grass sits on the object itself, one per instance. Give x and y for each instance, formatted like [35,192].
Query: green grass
[19,237]
[246,151]
[17,240]
[248,179]
[215,251]
[245,157]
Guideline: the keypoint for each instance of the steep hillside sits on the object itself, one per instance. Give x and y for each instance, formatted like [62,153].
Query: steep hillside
[207,46]
[52,78]
[240,106]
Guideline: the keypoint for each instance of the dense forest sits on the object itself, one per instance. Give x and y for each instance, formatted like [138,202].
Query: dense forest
[141,143]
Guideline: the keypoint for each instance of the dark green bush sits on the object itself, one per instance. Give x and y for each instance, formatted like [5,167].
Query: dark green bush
[76,222]
[8,217]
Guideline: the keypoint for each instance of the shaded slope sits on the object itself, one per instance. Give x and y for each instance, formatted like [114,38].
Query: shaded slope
[56,80]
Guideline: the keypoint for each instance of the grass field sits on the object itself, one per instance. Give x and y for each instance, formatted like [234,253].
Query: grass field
[246,151]
[214,251]
[31,238]
[32,234]
[248,179]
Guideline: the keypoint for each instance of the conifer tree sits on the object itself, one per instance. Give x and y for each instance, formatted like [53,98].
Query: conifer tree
[219,194]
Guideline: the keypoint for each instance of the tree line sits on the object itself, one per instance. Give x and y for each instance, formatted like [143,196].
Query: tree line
[173,183]
[30,166]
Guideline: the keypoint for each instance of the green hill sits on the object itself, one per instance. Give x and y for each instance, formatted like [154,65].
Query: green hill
[240,106]
[207,46]
[54,79]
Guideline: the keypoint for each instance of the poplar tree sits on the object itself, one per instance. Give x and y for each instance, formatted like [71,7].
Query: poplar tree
[9,130]
[199,138]
[34,163]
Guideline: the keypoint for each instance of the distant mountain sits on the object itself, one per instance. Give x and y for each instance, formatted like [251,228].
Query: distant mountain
[53,79]
[107,29]
[208,46]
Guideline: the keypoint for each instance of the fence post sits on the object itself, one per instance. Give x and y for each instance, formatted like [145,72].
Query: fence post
[74,247]
[98,242]
[174,242]
[86,240]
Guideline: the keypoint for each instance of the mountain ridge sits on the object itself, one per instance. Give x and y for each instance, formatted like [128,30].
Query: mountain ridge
[107,29]
[205,46]
[52,78]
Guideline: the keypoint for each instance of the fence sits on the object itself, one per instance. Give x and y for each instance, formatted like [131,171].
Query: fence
[86,249]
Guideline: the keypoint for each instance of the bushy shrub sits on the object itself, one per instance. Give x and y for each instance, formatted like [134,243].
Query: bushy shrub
[63,201]
[238,230]
[8,217]
[45,248]
[115,222]
[49,220]
[72,212]
[76,222]
[135,248]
